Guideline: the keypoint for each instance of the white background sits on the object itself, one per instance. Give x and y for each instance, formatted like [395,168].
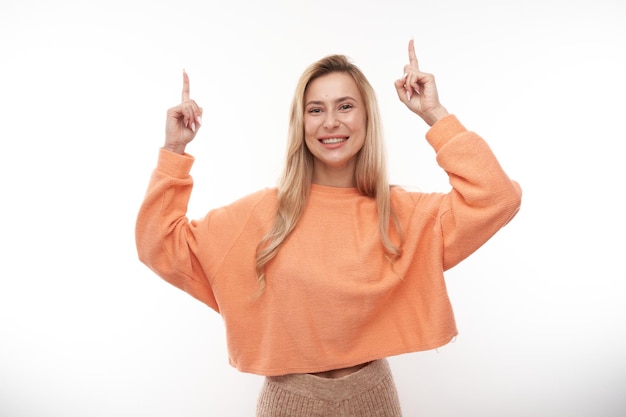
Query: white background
[88,331]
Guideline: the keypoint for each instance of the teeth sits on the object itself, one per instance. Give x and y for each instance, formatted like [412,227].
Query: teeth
[333,140]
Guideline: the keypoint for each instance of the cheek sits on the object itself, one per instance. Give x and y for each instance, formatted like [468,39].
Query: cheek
[309,133]
[357,124]
[310,127]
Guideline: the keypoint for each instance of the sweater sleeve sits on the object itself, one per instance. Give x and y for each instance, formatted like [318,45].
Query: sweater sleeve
[167,242]
[483,198]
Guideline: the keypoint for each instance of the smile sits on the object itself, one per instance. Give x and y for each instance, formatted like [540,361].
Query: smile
[329,141]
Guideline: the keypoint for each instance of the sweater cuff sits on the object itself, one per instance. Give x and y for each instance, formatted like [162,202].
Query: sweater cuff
[173,164]
[444,130]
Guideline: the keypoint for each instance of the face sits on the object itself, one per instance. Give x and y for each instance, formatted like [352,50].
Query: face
[334,128]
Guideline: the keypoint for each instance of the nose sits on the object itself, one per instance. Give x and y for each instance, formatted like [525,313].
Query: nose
[331,121]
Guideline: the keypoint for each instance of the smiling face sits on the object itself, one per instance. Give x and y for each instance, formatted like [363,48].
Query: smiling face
[334,128]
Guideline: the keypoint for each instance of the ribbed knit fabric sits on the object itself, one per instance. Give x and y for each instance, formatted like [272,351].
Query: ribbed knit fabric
[333,298]
[368,392]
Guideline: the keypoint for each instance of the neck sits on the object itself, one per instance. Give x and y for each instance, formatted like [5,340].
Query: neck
[341,177]
[339,182]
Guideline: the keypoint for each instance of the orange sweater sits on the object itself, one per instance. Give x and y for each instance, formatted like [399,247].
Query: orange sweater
[332,299]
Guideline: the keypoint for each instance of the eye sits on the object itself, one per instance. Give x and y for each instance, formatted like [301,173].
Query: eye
[346,106]
[315,110]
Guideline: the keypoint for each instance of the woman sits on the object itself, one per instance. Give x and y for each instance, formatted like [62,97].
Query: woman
[322,278]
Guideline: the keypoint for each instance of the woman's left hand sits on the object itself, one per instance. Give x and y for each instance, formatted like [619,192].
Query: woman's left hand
[418,91]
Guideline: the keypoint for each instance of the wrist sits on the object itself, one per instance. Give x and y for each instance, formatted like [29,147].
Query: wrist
[179,149]
[434,115]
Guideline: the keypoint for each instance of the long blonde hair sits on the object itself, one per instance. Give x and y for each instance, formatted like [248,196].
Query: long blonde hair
[295,183]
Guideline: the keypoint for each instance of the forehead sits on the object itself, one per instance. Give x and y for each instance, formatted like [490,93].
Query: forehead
[333,85]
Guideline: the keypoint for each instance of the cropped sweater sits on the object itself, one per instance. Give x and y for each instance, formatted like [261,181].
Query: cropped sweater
[332,299]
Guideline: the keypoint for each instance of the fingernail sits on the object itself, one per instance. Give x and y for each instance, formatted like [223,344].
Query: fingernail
[408,95]
[199,119]
[193,127]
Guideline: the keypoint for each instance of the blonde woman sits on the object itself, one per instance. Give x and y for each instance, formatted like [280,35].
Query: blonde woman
[323,277]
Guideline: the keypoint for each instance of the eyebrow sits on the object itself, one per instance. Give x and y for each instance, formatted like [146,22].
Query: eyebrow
[339,100]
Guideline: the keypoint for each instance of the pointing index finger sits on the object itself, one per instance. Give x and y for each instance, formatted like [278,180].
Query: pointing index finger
[412,56]
[185,86]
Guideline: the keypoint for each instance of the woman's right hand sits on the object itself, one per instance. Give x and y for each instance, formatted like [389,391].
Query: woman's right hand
[183,121]
[418,91]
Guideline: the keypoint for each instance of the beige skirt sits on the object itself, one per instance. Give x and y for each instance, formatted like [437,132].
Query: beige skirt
[368,392]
